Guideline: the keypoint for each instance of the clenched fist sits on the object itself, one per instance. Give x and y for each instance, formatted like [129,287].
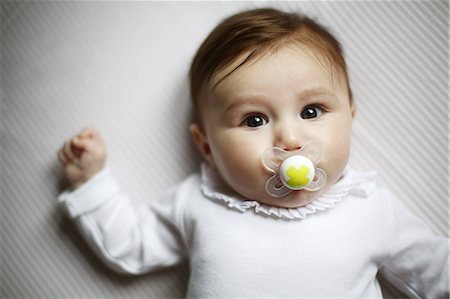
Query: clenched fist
[83,156]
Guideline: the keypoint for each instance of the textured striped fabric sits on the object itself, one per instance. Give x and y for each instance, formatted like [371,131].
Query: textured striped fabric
[122,68]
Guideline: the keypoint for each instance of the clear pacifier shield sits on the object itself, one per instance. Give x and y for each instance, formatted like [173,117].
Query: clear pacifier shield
[294,170]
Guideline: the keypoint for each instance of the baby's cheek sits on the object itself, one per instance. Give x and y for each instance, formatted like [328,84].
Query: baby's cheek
[243,173]
[244,169]
[238,160]
[334,163]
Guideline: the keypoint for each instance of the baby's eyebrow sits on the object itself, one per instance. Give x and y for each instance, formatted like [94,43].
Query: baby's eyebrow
[252,100]
[304,94]
[318,91]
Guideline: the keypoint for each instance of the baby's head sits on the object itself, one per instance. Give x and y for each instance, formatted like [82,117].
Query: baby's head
[265,78]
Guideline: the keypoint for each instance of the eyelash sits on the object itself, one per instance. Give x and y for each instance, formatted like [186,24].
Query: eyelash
[318,107]
[260,117]
[263,120]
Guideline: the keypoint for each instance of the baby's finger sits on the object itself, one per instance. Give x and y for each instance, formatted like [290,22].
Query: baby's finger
[78,142]
[67,150]
[77,146]
[62,158]
[92,146]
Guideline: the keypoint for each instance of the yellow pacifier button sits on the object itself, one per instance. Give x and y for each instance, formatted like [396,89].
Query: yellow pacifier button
[297,172]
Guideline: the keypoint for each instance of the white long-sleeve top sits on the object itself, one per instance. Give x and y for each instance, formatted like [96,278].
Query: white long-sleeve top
[331,248]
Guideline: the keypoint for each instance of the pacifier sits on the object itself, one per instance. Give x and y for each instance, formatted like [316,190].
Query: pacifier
[294,170]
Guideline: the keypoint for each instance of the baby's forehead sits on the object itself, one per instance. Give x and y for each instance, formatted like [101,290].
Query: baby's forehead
[298,62]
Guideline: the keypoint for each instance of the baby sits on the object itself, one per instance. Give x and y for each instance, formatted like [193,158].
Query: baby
[274,212]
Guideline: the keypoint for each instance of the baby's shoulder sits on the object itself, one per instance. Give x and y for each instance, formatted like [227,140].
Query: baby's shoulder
[368,202]
[188,189]
[386,206]
[184,194]
[383,197]
[379,199]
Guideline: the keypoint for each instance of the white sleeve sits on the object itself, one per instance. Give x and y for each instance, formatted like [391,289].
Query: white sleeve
[130,239]
[418,259]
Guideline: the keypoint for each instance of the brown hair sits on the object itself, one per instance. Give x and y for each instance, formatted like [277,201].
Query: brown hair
[258,31]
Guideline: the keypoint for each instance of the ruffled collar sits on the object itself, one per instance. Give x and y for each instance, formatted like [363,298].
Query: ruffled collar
[356,183]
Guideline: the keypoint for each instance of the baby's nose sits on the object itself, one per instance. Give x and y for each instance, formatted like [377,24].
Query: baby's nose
[288,138]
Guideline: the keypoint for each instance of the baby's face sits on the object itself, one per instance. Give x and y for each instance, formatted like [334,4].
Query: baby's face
[283,99]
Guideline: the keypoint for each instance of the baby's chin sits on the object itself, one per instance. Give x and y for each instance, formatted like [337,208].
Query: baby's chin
[295,199]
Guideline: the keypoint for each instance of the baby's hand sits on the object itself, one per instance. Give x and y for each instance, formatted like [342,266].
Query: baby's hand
[83,156]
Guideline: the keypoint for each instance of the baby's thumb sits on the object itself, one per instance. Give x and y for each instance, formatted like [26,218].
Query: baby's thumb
[90,145]
[78,143]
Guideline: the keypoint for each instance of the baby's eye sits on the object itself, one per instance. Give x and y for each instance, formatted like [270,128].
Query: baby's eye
[311,112]
[254,121]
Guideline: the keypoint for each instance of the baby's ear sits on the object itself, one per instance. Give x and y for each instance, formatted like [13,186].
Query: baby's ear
[202,143]
[353,109]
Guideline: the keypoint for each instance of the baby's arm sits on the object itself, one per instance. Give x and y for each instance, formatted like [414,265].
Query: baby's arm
[129,239]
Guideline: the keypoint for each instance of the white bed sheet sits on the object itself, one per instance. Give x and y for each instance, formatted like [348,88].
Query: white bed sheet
[122,67]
